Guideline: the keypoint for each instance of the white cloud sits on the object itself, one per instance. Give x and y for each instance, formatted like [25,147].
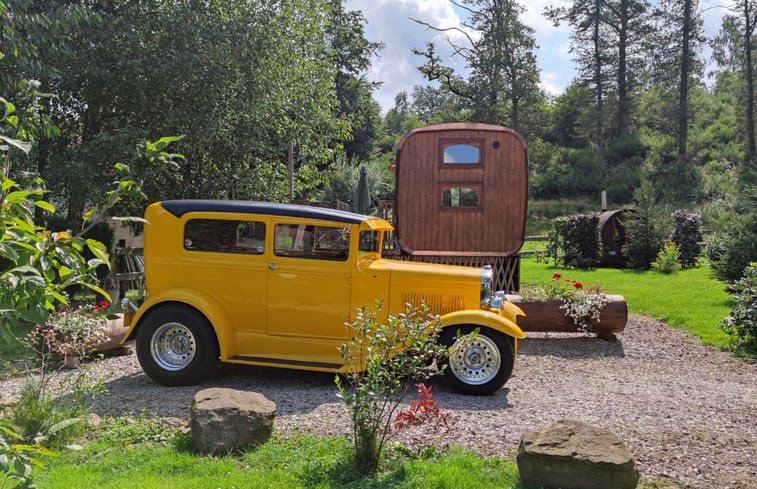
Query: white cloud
[389,22]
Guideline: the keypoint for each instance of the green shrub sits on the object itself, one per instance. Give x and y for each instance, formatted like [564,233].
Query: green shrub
[574,241]
[732,249]
[687,236]
[645,228]
[668,259]
[384,361]
[742,322]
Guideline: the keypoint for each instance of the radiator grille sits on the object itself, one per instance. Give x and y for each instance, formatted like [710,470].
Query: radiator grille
[437,303]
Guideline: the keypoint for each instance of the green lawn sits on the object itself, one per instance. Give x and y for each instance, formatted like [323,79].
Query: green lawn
[690,299]
[300,462]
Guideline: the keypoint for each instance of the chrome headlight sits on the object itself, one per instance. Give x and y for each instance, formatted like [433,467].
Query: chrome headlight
[498,300]
[486,286]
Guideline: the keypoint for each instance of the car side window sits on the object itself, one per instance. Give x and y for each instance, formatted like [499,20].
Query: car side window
[314,242]
[225,236]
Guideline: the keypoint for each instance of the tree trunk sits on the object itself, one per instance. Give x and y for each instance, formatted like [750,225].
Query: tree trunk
[598,74]
[683,94]
[749,23]
[623,102]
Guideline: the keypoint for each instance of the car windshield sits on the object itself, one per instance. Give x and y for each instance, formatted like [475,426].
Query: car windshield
[369,241]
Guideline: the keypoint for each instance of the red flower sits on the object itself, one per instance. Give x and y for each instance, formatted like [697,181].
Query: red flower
[578,285]
[97,307]
[556,276]
[104,304]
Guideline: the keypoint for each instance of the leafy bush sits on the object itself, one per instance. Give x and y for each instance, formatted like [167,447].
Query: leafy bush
[16,458]
[742,322]
[574,241]
[645,228]
[687,236]
[384,360]
[668,259]
[570,173]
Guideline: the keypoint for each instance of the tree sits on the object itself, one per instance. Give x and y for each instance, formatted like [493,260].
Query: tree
[733,49]
[352,53]
[678,38]
[607,39]
[240,79]
[591,49]
[502,64]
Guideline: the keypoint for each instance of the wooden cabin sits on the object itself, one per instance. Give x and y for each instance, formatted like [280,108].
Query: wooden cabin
[461,197]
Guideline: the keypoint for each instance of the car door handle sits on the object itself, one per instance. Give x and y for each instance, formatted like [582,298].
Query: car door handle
[272,266]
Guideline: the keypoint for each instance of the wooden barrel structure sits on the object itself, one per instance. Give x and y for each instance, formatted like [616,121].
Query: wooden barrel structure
[612,234]
[461,198]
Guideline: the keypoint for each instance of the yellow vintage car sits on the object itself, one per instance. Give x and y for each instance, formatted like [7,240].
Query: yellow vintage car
[275,284]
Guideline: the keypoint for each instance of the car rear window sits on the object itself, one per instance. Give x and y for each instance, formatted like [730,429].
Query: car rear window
[225,236]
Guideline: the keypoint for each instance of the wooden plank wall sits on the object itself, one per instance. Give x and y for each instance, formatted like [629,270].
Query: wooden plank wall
[497,226]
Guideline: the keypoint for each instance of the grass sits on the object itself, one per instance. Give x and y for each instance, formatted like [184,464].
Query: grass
[301,461]
[298,461]
[691,299]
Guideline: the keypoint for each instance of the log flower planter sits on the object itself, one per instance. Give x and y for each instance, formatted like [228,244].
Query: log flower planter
[546,316]
[114,333]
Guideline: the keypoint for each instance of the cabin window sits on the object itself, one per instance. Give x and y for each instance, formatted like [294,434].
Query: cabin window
[462,154]
[460,197]
[225,236]
[314,242]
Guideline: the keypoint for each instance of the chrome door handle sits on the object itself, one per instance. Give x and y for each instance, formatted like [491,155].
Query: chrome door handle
[272,266]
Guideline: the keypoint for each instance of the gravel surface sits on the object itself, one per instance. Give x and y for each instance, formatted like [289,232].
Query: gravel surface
[686,412]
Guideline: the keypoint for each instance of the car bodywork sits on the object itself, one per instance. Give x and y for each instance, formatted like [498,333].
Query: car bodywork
[278,283]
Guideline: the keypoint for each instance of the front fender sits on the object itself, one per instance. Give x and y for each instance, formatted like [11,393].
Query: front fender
[204,303]
[489,319]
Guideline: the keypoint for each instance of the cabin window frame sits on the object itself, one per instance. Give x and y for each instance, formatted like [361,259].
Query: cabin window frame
[476,187]
[477,142]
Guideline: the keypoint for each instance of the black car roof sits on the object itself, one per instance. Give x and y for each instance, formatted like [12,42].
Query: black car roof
[180,207]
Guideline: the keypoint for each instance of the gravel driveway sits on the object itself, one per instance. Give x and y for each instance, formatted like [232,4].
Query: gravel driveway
[687,412]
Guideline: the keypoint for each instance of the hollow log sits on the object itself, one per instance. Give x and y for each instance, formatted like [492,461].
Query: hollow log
[546,316]
[114,332]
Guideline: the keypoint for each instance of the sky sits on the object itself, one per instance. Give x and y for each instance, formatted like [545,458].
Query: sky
[389,21]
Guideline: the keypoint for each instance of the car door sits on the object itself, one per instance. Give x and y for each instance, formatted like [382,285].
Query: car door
[309,280]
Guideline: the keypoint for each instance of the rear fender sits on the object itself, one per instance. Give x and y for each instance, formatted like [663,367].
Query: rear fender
[205,304]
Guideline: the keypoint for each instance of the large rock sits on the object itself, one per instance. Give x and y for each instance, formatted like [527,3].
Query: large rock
[570,454]
[228,420]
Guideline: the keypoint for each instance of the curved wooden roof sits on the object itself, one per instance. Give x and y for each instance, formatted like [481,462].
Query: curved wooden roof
[461,126]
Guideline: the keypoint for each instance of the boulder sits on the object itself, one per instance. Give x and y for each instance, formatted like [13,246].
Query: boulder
[228,420]
[569,454]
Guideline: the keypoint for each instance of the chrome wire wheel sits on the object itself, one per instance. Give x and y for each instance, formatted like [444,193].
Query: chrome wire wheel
[173,346]
[475,361]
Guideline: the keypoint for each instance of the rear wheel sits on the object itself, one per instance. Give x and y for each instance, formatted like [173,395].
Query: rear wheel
[176,346]
[478,364]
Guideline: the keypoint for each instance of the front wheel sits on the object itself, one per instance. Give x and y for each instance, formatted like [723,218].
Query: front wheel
[176,346]
[478,364]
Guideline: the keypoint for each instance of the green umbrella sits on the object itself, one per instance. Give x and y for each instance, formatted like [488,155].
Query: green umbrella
[363,196]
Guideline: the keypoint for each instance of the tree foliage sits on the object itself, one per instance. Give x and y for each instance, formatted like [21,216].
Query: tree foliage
[501,62]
